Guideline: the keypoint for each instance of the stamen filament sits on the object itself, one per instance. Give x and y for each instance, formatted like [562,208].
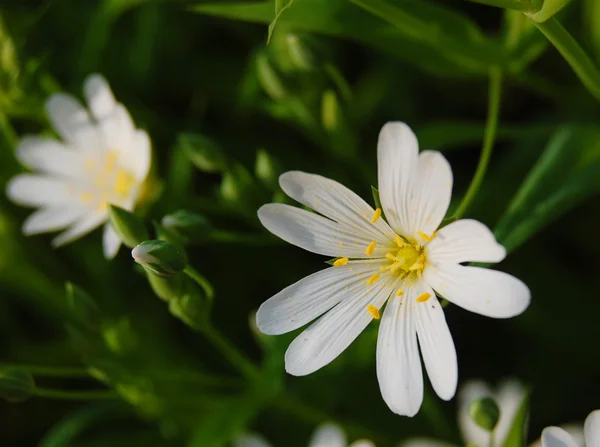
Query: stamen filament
[399,241]
[425,237]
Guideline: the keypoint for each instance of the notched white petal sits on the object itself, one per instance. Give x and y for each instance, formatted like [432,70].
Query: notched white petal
[99,96]
[592,429]
[328,435]
[67,115]
[80,228]
[50,219]
[38,190]
[556,437]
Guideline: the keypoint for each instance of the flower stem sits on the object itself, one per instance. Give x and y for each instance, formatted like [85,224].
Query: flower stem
[75,395]
[48,371]
[575,56]
[517,5]
[488,141]
[201,281]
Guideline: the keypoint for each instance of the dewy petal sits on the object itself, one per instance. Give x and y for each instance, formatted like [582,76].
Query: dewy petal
[397,159]
[38,190]
[80,228]
[592,429]
[465,240]
[312,296]
[487,292]
[328,435]
[250,440]
[398,364]
[51,157]
[51,219]
[110,241]
[472,433]
[99,96]
[315,233]
[437,346]
[331,334]
[335,201]
[557,437]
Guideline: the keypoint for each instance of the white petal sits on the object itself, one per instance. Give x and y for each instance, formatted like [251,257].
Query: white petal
[99,96]
[331,334]
[51,219]
[557,437]
[139,156]
[80,228]
[110,241]
[250,440]
[335,201]
[472,433]
[487,292]
[328,435]
[574,430]
[431,194]
[398,363]
[310,297]
[66,115]
[397,151]
[465,240]
[509,397]
[118,132]
[592,429]
[437,346]
[362,443]
[315,233]
[37,190]
[50,156]
[424,442]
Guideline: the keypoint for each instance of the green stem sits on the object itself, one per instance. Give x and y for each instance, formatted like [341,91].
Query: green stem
[201,281]
[517,5]
[575,56]
[230,352]
[488,141]
[75,395]
[9,132]
[48,371]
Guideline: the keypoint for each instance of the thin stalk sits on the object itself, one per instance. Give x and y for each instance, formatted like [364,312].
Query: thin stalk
[201,281]
[75,395]
[489,137]
[576,57]
[517,5]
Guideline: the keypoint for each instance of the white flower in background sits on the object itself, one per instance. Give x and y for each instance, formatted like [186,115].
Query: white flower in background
[102,159]
[400,263]
[559,437]
[326,435]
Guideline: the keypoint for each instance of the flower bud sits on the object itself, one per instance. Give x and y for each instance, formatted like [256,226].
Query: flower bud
[266,169]
[331,114]
[16,385]
[188,226]
[203,152]
[83,306]
[300,54]
[128,226]
[269,78]
[160,257]
[485,413]
[167,288]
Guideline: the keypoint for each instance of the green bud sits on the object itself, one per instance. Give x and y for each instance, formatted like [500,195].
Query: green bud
[547,9]
[239,188]
[266,169]
[83,306]
[300,55]
[331,113]
[128,226]
[193,308]
[268,77]
[160,257]
[188,226]
[166,288]
[203,152]
[16,385]
[485,413]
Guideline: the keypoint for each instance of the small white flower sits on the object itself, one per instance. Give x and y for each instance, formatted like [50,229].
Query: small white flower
[401,263]
[102,159]
[559,437]
[326,435]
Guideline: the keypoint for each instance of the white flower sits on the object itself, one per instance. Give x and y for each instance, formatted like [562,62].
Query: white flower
[401,263]
[558,437]
[326,435]
[102,159]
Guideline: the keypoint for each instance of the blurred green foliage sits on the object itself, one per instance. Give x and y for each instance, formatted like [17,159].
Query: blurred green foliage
[227,113]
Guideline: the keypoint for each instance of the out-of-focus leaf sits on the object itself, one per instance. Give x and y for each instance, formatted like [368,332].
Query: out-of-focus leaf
[431,36]
[518,430]
[522,39]
[16,385]
[591,18]
[565,174]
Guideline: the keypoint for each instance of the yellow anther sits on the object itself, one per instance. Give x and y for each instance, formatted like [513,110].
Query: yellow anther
[373,311]
[341,261]
[341,244]
[373,279]
[123,183]
[423,298]
[383,268]
[86,197]
[376,215]
[111,160]
[371,248]
[400,242]
[424,236]
[416,266]
[399,292]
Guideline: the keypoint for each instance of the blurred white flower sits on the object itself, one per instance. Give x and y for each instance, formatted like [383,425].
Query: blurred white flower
[326,435]
[566,437]
[102,159]
[402,262]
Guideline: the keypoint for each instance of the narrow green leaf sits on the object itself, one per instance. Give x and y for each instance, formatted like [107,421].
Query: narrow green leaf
[518,430]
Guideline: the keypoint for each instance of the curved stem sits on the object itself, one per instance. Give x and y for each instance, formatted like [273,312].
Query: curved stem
[489,137]
[576,57]
[48,371]
[75,395]
[201,281]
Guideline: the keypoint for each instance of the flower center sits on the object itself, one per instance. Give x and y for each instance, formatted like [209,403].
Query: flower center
[407,261]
